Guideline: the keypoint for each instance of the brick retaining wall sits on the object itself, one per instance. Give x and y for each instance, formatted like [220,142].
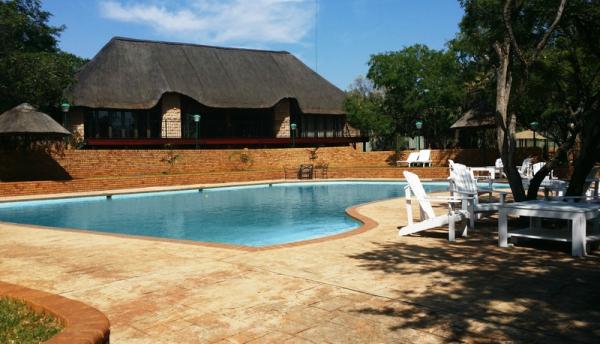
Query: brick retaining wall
[93,184]
[83,170]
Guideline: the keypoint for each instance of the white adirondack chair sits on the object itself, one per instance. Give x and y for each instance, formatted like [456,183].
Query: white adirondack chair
[549,183]
[428,218]
[590,189]
[535,168]
[464,184]
[499,165]
[424,157]
[525,168]
[410,160]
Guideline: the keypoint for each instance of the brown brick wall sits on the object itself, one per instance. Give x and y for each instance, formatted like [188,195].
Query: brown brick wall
[102,163]
[95,184]
[114,169]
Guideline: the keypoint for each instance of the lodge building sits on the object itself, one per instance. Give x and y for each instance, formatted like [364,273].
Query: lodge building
[146,93]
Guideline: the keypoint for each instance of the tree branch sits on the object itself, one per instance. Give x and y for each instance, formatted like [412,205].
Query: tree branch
[546,36]
[498,49]
[513,40]
[540,46]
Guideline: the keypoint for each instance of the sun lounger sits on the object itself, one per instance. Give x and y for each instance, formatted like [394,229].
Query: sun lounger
[424,158]
[412,158]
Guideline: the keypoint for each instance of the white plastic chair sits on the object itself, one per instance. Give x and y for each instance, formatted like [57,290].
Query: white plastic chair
[428,218]
[411,159]
[590,189]
[463,183]
[525,168]
[549,183]
[499,168]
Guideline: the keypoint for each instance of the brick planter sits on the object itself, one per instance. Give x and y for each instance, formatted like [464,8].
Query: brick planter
[82,323]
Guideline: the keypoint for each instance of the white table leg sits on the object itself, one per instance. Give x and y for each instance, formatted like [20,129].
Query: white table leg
[578,235]
[503,228]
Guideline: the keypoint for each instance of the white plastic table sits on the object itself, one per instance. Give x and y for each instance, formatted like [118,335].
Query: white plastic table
[578,213]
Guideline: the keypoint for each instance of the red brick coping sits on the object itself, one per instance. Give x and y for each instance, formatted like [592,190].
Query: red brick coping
[82,323]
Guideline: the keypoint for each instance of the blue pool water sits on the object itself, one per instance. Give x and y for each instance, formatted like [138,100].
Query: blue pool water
[250,215]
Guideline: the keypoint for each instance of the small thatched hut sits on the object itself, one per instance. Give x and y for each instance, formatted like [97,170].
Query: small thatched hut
[137,92]
[475,128]
[25,121]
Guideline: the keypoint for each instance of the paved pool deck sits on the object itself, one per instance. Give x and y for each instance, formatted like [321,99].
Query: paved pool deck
[372,287]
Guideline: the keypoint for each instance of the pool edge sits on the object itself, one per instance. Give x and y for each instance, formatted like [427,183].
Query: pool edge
[366,224]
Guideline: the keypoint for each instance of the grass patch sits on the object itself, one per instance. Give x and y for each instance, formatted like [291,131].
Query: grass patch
[19,324]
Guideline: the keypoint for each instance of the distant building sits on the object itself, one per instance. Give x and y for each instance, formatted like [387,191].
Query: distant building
[145,93]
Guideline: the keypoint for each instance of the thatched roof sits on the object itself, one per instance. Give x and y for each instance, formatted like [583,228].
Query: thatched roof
[25,120]
[133,74]
[528,135]
[475,119]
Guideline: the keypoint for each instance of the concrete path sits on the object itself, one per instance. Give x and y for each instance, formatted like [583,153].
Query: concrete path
[373,287]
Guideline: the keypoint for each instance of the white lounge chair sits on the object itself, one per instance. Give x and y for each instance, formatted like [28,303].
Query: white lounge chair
[424,158]
[411,159]
[464,184]
[428,218]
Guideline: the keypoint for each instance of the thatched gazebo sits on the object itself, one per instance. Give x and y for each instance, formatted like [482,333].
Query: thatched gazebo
[473,128]
[25,127]
[27,139]
[25,120]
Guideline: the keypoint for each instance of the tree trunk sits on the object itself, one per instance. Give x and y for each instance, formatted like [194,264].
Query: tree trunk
[589,155]
[505,122]
[560,155]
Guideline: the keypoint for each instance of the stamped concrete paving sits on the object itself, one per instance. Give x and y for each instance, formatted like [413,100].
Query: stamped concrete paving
[369,288]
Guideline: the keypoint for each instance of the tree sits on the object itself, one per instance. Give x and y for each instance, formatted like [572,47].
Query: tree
[509,36]
[364,106]
[418,82]
[32,67]
[578,54]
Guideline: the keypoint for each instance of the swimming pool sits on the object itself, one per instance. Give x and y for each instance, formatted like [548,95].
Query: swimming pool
[257,215]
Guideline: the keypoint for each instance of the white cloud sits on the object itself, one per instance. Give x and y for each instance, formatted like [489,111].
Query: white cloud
[220,21]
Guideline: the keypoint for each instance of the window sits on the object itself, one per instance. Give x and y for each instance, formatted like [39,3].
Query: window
[321,126]
[107,123]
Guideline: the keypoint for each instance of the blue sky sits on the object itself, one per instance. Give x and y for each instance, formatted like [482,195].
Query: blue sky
[335,37]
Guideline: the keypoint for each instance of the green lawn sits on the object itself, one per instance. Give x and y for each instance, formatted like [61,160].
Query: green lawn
[19,324]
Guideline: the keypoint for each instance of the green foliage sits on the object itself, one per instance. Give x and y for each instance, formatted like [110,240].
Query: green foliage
[556,84]
[37,78]
[420,83]
[312,153]
[241,159]
[561,81]
[170,158]
[364,106]
[20,324]
[32,68]
[25,29]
